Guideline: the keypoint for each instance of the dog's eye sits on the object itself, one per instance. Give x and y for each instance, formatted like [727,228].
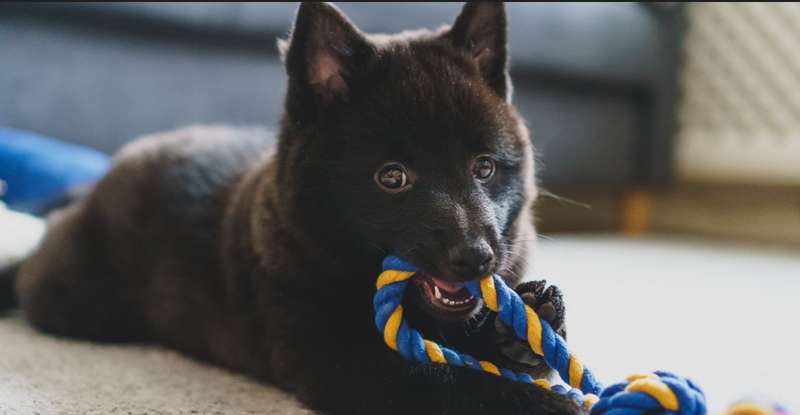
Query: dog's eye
[483,168]
[392,177]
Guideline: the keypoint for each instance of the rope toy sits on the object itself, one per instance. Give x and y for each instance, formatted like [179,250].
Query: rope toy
[756,407]
[658,392]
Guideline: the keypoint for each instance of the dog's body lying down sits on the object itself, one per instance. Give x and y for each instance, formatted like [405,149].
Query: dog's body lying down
[265,262]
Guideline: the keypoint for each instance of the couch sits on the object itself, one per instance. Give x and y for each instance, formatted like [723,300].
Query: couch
[595,81]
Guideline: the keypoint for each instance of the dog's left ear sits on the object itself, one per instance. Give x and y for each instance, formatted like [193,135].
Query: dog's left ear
[481,30]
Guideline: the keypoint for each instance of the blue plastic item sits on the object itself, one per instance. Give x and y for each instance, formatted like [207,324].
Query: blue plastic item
[38,170]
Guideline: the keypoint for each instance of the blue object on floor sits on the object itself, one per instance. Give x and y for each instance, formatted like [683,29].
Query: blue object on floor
[38,170]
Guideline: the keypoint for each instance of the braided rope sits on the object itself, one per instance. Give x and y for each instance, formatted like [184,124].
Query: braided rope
[660,391]
[656,392]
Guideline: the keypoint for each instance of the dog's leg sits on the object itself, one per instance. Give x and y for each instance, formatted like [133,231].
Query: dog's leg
[516,354]
[66,286]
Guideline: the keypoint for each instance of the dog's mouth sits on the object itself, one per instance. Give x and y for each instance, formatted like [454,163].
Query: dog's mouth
[447,300]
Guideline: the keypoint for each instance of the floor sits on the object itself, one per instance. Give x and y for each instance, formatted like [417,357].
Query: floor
[725,315]
[722,314]
[43,375]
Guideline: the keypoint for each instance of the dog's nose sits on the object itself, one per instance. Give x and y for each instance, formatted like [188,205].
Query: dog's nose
[471,260]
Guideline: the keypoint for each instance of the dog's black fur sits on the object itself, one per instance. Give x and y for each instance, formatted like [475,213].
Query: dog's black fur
[265,262]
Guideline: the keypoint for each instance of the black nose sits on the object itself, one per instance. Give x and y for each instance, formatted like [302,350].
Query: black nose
[471,260]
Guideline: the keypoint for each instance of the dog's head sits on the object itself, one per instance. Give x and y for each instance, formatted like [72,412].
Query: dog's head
[409,144]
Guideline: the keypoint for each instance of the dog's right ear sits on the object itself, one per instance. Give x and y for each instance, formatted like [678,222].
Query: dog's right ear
[323,56]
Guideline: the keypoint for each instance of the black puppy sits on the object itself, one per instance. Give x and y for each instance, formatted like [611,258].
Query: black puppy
[265,262]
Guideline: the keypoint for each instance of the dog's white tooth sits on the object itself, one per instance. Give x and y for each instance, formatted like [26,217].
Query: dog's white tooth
[437,293]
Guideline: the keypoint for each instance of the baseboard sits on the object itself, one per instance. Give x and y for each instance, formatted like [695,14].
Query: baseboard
[578,209]
[767,214]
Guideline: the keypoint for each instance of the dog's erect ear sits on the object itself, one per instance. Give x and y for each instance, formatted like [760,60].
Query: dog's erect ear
[481,30]
[323,55]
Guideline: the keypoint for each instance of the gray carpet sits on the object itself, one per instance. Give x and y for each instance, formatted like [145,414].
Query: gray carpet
[722,314]
[45,375]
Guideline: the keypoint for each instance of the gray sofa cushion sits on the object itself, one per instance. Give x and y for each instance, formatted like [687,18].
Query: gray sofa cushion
[603,40]
[595,81]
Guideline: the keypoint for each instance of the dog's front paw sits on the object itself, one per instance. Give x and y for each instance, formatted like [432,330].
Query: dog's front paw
[547,301]
[516,354]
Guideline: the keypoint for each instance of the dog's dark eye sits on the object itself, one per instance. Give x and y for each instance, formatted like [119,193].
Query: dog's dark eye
[483,168]
[392,177]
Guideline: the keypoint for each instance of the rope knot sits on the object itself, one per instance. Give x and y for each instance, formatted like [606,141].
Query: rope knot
[656,392]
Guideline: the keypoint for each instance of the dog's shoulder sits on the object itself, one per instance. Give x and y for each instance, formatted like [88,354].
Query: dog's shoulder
[179,177]
[196,144]
[192,158]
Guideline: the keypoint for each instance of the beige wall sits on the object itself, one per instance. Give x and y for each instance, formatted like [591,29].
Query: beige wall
[739,115]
